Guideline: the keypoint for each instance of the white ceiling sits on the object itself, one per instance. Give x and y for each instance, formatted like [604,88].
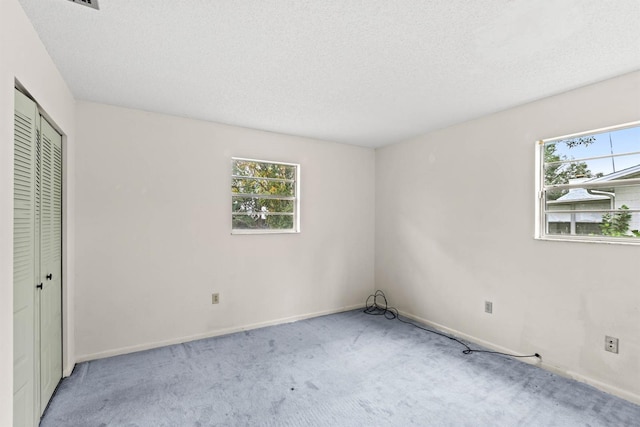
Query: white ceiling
[365,72]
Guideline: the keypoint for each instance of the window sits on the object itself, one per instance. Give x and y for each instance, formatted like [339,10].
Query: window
[589,186]
[264,197]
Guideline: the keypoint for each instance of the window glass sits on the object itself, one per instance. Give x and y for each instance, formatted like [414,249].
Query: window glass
[590,186]
[264,196]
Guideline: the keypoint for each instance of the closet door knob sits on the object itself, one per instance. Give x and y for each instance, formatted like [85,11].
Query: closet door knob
[49,276]
[39,286]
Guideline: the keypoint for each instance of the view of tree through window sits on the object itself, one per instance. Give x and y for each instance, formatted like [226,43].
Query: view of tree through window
[263,195]
[591,184]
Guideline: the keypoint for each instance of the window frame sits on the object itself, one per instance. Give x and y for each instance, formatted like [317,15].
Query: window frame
[296,204]
[540,232]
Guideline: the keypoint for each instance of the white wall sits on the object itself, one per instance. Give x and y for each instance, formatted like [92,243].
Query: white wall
[23,57]
[153,231]
[455,226]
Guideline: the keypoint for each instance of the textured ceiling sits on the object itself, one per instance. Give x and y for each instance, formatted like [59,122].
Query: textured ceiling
[365,72]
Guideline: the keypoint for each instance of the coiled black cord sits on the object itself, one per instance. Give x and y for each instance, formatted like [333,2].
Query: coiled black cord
[375,308]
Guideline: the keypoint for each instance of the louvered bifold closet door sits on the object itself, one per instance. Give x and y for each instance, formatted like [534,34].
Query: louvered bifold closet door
[25,266]
[50,262]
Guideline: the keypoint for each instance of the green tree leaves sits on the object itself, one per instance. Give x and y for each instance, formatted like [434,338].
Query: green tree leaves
[617,225]
[560,173]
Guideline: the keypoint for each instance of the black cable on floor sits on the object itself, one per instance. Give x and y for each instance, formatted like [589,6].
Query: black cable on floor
[373,307]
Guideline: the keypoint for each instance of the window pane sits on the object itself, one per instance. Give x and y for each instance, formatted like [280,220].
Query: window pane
[620,223]
[263,169]
[609,145]
[580,198]
[262,221]
[599,144]
[263,186]
[264,195]
[256,205]
[587,170]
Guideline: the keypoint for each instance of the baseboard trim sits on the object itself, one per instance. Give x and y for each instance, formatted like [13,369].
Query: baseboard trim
[607,388]
[68,371]
[209,334]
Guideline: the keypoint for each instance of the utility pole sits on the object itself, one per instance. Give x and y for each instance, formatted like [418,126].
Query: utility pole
[613,162]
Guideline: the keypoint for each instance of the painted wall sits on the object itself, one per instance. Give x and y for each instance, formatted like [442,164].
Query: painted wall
[24,58]
[455,227]
[153,231]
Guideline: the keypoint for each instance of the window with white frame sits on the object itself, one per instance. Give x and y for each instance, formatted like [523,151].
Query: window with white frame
[589,186]
[264,196]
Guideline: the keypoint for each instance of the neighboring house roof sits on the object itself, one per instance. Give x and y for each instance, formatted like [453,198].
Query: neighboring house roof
[578,195]
[573,197]
[624,173]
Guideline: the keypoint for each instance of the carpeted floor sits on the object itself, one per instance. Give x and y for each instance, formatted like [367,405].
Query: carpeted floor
[346,369]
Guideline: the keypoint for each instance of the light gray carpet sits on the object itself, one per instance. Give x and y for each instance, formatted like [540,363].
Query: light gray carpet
[347,369]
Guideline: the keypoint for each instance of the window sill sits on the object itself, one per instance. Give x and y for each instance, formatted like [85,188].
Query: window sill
[631,241]
[249,232]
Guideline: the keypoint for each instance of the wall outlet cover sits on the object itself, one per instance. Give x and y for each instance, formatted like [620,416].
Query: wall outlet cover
[611,344]
[488,307]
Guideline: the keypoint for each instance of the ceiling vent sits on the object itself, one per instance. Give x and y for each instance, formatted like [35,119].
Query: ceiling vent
[91,3]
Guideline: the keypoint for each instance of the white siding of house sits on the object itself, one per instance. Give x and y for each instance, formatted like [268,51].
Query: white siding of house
[629,196]
[580,217]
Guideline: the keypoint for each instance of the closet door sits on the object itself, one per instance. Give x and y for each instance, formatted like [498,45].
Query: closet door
[50,262]
[37,262]
[25,265]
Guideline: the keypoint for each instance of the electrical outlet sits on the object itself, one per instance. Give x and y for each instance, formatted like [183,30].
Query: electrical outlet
[488,307]
[90,3]
[215,298]
[611,344]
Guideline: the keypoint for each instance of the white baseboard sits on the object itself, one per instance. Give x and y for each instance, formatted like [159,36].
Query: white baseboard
[67,371]
[209,334]
[607,388]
